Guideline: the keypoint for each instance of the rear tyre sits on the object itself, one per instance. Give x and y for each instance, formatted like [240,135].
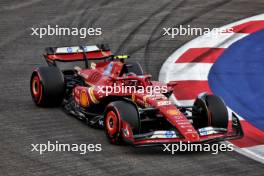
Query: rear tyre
[47,86]
[210,110]
[117,112]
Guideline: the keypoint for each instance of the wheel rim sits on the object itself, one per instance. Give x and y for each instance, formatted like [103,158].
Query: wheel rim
[36,88]
[111,123]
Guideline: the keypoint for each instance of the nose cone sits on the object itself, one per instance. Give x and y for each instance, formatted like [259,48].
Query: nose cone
[192,136]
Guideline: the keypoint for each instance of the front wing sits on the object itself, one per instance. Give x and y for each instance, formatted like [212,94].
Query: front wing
[157,138]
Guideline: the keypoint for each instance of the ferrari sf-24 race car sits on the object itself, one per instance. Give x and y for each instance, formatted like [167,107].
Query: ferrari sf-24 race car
[77,78]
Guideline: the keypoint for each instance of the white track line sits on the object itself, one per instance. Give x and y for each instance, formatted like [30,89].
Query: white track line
[190,71]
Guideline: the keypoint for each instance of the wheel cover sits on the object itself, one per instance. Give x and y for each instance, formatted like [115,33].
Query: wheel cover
[36,88]
[111,123]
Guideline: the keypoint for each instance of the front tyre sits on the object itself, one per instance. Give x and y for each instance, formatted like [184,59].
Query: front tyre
[47,86]
[210,110]
[117,112]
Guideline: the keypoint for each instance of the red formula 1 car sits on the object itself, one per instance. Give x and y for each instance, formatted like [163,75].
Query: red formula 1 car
[110,92]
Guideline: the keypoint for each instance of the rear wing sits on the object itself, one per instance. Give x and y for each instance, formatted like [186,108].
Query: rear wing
[76,53]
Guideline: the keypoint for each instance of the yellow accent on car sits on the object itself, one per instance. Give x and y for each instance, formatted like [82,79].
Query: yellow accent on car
[121,57]
[91,93]
[173,112]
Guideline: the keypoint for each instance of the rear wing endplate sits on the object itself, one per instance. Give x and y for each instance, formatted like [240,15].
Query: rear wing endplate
[77,53]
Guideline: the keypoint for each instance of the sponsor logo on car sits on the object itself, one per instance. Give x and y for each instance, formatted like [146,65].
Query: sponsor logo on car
[173,112]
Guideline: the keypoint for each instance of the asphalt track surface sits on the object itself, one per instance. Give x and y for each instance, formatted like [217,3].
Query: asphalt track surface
[132,27]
